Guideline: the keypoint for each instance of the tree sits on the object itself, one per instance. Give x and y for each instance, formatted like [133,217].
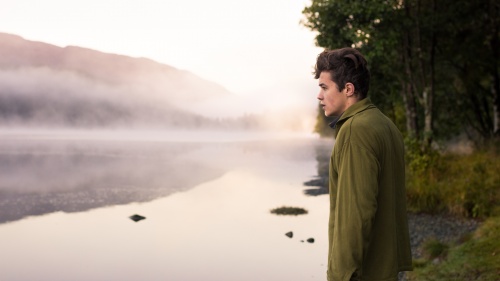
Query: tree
[417,60]
[472,51]
[379,30]
[322,124]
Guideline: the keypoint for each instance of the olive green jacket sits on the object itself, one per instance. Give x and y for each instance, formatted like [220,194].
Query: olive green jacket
[368,227]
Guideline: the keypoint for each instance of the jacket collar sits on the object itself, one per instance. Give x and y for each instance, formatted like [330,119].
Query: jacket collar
[354,109]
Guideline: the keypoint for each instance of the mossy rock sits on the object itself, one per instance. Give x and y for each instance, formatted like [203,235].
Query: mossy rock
[292,211]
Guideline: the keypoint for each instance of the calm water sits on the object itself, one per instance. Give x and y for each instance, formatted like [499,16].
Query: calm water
[65,200]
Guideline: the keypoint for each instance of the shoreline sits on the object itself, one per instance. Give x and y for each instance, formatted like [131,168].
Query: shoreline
[444,227]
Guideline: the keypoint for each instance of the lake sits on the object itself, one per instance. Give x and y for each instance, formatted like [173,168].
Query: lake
[66,199]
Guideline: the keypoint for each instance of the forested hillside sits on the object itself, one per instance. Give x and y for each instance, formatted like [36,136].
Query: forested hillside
[46,85]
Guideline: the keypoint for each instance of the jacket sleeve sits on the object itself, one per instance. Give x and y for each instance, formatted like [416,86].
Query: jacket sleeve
[356,205]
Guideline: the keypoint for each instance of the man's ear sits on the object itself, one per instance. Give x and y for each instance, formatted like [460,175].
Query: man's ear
[349,89]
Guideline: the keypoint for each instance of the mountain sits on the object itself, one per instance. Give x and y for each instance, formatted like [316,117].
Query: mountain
[46,85]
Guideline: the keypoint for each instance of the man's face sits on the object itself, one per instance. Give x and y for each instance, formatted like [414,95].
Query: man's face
[333,101]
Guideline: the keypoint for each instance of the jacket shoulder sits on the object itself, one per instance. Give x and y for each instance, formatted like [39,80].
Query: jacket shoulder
[370,129]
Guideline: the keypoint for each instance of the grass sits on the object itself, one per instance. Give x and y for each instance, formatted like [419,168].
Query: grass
[475,259]
[294,211]
[434,249]
[464,185]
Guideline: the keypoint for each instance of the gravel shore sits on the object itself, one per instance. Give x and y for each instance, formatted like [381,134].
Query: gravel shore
[446,229]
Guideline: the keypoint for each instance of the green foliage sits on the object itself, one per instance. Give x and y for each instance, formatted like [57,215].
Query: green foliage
[475,259]
[289,211]
[419,160]
[438,61]
[479,191]
[322,124]
[423,193]
[433,248]
[464,185]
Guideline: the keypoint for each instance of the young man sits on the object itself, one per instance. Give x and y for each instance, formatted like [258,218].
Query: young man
[368,227]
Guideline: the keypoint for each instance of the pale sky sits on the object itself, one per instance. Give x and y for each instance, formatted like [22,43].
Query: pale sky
[256,49]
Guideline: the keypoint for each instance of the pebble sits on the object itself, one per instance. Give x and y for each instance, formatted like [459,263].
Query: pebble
[445,228]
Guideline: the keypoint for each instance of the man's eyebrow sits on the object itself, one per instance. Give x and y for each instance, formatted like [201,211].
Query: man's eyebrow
[322,85]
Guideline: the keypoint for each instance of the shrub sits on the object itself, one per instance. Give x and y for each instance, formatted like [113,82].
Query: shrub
[476,259]
[465,185]
[433,248]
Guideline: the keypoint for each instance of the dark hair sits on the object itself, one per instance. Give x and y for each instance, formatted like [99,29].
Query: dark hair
[345,65]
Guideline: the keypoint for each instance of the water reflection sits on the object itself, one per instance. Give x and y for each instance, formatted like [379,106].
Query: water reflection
[39,177]
[218,228]
[319,183]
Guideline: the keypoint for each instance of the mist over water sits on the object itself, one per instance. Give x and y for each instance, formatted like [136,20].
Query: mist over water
[66,197]
[88,139]
[44,86]
[70,171]
[41,176]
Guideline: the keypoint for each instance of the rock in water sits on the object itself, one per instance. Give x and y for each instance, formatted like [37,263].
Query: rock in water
[289,234]
[137,218]
[310,240]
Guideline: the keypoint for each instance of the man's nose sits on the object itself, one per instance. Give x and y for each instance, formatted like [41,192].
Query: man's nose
[320,96]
